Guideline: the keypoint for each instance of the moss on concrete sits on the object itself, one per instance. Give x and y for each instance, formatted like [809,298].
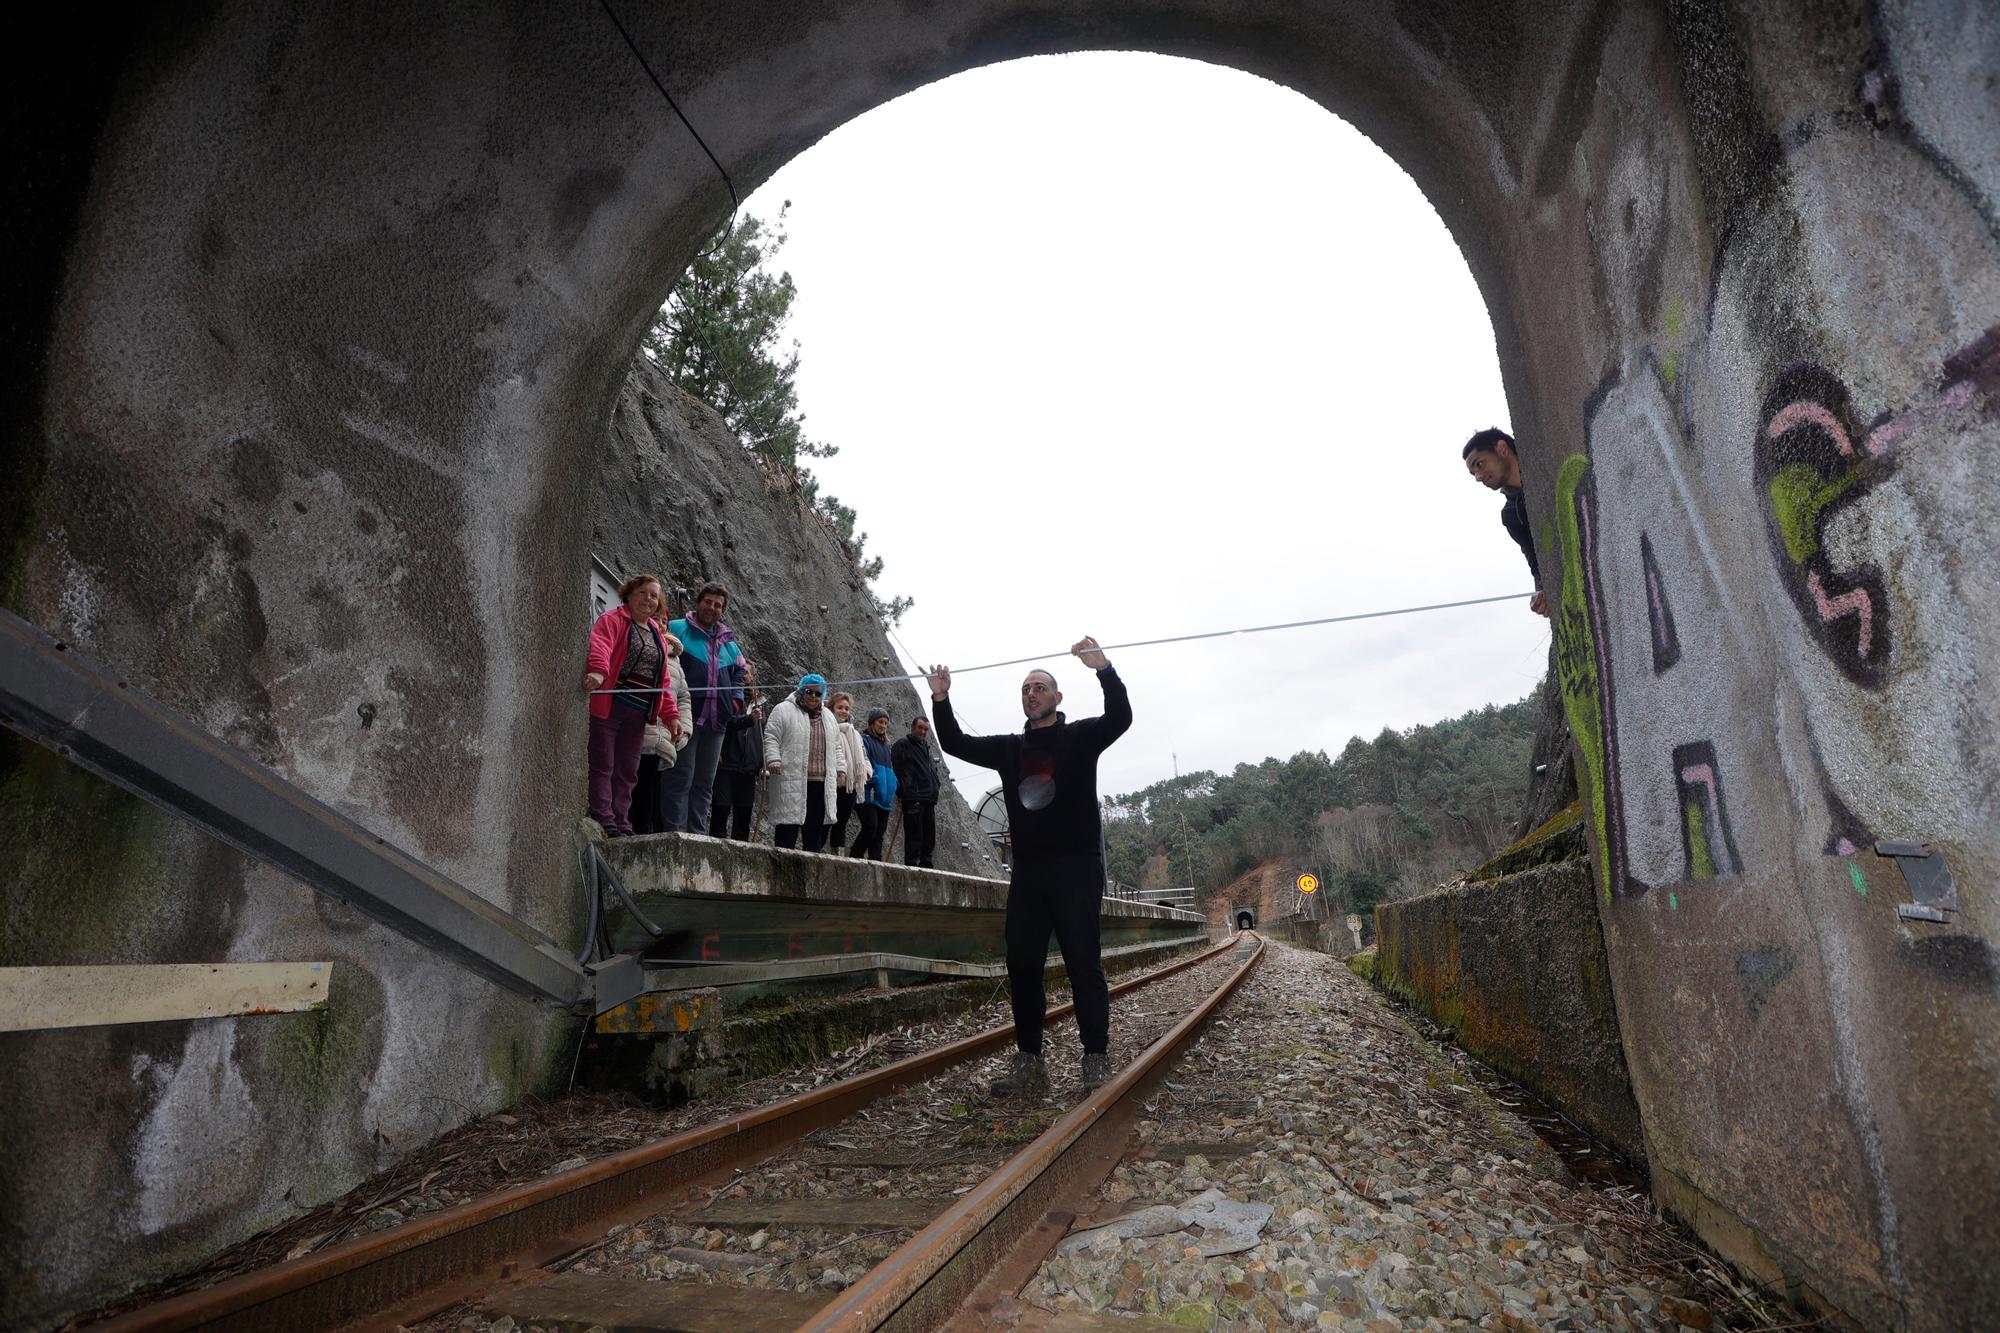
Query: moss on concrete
[1557,840]
[89,865]
[315,1057]
[1516,969]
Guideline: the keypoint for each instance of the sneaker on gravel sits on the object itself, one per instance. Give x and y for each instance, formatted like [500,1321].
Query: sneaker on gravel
[1096,1068]
[1025,1074]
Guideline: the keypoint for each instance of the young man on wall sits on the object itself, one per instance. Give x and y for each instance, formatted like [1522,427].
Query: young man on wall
[1490,458]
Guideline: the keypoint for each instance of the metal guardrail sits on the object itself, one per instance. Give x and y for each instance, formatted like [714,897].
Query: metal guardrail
[696,976]
[56,697]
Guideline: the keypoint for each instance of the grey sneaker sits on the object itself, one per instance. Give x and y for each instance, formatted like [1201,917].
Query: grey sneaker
[1026,1074]
[1096,1068]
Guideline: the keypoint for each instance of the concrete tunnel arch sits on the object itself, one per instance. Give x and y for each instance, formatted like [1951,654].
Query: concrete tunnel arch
[314,310]
[1245,918]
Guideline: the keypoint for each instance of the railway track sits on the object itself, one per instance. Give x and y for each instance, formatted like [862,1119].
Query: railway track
[570,1250]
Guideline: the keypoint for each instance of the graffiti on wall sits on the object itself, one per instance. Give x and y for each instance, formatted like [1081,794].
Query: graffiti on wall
[1659,612]
[1708,847]
[1810,470]
[1584,676]
[1652,650]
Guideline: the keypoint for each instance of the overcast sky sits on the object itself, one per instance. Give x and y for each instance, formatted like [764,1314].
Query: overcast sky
[1133,346]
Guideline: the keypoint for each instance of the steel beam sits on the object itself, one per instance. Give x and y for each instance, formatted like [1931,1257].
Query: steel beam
[701,975]
[55,696]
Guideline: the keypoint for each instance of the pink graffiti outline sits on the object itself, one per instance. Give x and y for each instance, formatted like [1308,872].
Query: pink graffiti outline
[1856,602]
[1890,433]
[1805,411]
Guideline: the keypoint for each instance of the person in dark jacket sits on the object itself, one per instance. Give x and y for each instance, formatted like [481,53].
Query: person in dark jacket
[1490,458]
[742,760]
[917,789]
[1048,773]
[877,798]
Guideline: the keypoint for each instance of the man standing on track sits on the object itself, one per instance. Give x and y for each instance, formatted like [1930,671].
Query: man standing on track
[1048,773]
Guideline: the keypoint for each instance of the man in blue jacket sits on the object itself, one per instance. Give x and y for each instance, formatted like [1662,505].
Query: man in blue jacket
[714,667]
[1048,772]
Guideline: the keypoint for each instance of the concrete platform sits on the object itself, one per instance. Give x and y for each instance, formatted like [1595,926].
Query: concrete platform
[722,901]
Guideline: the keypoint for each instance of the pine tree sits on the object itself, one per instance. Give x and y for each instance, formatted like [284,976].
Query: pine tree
[718,337]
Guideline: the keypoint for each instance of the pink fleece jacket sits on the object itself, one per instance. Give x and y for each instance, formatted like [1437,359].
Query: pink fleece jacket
[607,658]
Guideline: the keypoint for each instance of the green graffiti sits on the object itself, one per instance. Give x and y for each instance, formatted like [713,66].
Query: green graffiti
[1798,495]
[1673,902]
[1674,309]
[1860,884]
[1576,664]
[1701,865]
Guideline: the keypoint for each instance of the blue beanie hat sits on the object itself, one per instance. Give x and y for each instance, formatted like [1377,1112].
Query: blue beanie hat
[813,679]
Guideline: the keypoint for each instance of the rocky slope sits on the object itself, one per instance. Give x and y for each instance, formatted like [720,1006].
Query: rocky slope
[678,496]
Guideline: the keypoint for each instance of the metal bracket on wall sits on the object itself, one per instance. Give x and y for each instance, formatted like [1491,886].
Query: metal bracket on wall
[1929,878]
[56,697]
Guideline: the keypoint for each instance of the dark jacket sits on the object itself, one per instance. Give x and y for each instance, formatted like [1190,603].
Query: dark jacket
[916,771]
[1514,518]
[1049,774]
[743,745]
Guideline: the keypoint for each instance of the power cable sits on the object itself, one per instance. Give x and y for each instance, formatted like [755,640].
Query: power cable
[1135,643]
[735,202]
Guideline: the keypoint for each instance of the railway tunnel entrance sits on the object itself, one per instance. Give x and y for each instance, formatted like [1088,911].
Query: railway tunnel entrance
[314,306]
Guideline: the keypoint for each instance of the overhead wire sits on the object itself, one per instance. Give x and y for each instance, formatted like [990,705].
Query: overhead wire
[1121,647]
[735,200]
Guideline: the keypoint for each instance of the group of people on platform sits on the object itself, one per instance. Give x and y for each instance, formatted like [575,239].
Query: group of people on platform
[679,739]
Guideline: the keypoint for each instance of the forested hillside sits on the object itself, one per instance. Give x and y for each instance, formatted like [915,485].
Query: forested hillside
[1387,818]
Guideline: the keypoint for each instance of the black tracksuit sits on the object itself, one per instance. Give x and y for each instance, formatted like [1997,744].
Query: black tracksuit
[1514,518]
[1049,777]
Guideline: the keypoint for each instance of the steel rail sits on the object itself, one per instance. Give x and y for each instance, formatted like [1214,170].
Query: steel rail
[922,1283]
[59,698]
[413,1270]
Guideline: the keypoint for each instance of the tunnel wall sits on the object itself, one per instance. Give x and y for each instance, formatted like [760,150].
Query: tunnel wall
[1515,967]
[346,289]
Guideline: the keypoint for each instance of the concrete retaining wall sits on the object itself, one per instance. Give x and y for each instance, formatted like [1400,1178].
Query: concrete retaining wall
[1516,968]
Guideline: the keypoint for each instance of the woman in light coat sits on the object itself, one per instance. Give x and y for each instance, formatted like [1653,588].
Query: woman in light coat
[804,756]
[661,748]
[856,781]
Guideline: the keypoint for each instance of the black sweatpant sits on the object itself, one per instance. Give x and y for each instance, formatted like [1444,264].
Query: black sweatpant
[919,832]
[843,806]
[1063,895]
[645,813]
[814,829]
[873,820]
[732,804]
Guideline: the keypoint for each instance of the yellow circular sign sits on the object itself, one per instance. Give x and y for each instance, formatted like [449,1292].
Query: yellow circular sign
[1308,883]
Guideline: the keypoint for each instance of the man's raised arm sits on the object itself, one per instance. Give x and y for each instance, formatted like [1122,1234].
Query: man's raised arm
[985,751]
[1117,719]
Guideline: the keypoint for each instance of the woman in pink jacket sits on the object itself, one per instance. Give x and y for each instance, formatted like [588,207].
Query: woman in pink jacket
[628,648]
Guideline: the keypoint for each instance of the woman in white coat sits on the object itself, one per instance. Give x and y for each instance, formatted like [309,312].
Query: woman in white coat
[841,705]
[804,756]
